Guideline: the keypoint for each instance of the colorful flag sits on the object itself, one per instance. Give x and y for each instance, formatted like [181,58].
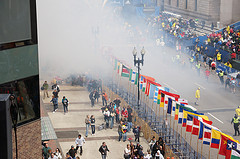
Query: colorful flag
[236,152]
[230,145]
[125,71]
[185,114]
[189,123]
[216,136]
[183,101]
[207,135]
[180,115]
[144,85]
[196,125]
[223,145]
[169,109]
[173,108]
[176,111]
[133,77]
[155,95]
[120,69]
[115,65]
[166,101]
[152,91]
[162,100]
[130,75]
[136,79]
[141,82]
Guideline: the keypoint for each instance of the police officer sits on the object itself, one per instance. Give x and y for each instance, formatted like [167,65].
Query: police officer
[220,75]
[198,65]
[197,96]
[235,122]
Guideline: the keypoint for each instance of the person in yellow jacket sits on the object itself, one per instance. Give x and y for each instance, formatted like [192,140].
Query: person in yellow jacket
[197,96]
[235,121]
[228,64]
[219,57]
[238,111]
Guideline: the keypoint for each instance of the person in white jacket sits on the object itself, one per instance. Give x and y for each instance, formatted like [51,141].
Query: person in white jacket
[79,143]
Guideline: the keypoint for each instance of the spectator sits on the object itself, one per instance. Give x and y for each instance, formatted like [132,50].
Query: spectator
[103,150]
[55,104]
[148,156]
[136,131]
[45,90]
[65,104]
[58,153]
[129,118]
[112,114]
[117,102]
[92,98]
[52,156]
[233,85]
[124,112]
[152,142]
[79,143]
[127,152]
[72,152]
[117,114]
[106,114]
[228,64]
[227,83]
[92,118]
[96,96]
[207,73]
[87,122]
[104,98]
[68,156]
[45,151]
[213,65]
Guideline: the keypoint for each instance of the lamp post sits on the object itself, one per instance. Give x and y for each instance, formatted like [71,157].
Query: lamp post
[137,63]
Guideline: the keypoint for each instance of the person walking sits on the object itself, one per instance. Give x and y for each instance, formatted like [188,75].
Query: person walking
[72,152]
[92,98]
[207,73]
[235,121]
[45,89]
[198,66]
[197,96]
[87,122]
[96,96]
[55,104]
[79,143]
[103,150]
[136,131]
[92,118]
[65,104]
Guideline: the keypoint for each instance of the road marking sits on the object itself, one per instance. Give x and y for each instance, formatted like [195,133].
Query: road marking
[215,118]
[200,85]
[170,87]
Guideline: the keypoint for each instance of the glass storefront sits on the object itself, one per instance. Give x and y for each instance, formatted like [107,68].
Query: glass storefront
[26,92]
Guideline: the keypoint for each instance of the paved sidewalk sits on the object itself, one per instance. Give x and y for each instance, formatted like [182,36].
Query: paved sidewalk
[67,127]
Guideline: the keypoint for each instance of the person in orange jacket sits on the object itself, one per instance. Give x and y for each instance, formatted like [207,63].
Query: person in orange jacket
[104,98]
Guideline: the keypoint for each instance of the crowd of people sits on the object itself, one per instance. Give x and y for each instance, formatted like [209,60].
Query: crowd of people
[48,153]
[227,39]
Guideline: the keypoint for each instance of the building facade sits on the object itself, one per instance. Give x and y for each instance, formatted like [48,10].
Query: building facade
[20,73]
[223,11]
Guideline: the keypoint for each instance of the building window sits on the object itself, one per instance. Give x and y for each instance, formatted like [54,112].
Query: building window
[195,5]
[169,2]
[177,3]
[26,92]
[186,4]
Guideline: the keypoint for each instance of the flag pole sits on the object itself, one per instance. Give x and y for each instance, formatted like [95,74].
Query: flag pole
[209,151]
[190,142]
[202,141]
[197,147]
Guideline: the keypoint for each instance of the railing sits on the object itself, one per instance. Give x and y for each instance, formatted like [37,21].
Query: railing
[150,120]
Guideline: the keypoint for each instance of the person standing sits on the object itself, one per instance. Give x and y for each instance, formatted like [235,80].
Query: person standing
[120,133]
[92,118]
[103,150]
[198,66]
[45,151]
[197,96]
[92,98]
[129,118]
[106,114]
[117,111]
[45,90]
[220,75]
[96,96]
[79,143]
[136,131]
[207,73]
[112,114]
[104,98]
[124,131]
[87,122]
[127,152]
[65,104]
[235,121]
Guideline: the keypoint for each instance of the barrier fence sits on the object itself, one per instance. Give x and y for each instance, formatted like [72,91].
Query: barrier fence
[152,120]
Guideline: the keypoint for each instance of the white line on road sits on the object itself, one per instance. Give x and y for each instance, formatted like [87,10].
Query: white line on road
[200,85]
[215,118]
[170,87]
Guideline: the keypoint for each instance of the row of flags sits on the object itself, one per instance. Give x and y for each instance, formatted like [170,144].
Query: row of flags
[196,123]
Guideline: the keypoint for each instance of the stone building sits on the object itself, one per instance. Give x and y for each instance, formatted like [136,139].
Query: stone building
[223,11]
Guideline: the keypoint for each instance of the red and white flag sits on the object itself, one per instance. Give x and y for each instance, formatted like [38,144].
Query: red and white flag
[183,101]
[196,126]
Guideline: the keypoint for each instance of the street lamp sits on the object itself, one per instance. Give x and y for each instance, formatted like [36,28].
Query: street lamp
[137,63]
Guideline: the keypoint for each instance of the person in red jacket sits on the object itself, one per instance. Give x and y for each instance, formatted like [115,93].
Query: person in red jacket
[124,112]
[207,73]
